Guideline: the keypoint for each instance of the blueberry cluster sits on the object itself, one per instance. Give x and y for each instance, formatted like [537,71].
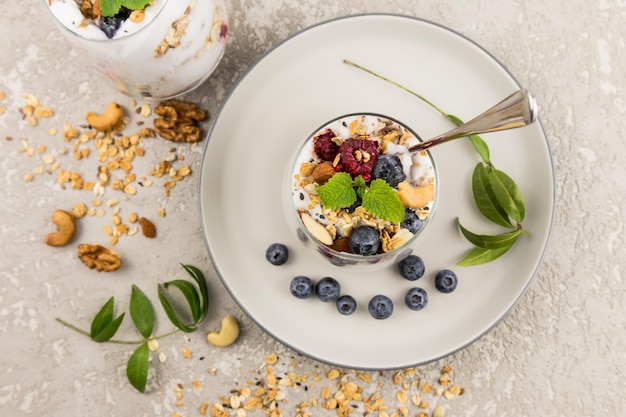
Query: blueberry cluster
[380,306]
[327,290]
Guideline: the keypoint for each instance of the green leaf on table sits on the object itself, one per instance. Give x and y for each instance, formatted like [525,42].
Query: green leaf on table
[491,241]
[137,367]
[191,295]
[198,276]
[478,256]
[486,200]
[382,201]
[171,313]
[337,192]
[103,326]
[141,312]
[508,194]
[479,144]
[110,8]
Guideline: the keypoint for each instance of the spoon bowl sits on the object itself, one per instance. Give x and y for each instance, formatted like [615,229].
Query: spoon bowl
[517,110]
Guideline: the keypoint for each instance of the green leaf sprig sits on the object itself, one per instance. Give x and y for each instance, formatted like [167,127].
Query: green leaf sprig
[496,195]
[104,325]
[379,199]
[112,7]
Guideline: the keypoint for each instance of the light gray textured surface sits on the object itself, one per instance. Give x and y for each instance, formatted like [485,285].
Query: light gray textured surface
[561,352]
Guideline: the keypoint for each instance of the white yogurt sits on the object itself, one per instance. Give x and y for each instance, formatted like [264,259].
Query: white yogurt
[172,50]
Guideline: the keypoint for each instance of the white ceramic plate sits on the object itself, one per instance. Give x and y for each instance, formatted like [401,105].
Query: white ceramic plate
[293,89]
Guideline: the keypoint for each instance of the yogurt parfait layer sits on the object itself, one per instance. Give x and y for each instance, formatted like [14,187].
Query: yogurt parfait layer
[358,191]
[148,48]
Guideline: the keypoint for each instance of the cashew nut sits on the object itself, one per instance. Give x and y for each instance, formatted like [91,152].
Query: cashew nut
[227,334]
[415,197]
[66,227]
[107,120]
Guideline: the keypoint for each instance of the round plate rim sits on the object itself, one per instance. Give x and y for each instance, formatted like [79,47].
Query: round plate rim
[224,103]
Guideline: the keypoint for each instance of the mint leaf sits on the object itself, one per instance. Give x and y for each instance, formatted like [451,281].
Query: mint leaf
[359,184]
[491,242]
[382,201]
[137,367]
[338,192]
[478,256]
[135,4]
[110,7]
[141,312]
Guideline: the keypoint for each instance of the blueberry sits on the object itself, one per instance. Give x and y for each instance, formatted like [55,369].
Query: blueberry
[327,289]
[364,240]
[346,305]
[416,298]
[445,281]
[411,222]
[301,287]
[380,307]
[389,168]
[411,267]
[110,24]
[277,254]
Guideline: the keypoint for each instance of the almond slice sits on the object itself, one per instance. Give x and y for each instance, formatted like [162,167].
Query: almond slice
[318,231]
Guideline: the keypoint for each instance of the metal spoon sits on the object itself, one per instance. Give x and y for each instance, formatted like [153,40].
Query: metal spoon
[517,110]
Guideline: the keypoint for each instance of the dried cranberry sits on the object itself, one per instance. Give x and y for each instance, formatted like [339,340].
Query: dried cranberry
[324,146]
[358,157]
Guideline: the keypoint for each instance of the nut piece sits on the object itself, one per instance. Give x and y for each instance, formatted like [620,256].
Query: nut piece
[99,257]
[147,227]
[415,197]
[316,229]
[107,120]
[227,334]
[66,227]
[179,121]
[323,172]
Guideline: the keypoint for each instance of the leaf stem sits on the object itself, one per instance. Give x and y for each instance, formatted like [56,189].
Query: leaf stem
[424,99]
[118,342]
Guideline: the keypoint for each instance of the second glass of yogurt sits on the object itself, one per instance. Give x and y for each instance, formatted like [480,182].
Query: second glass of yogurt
[165,49]
[356,194]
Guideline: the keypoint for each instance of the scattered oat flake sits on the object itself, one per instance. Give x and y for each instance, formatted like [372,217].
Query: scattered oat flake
[186,352]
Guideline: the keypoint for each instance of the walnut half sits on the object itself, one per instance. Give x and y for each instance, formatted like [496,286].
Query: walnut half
[179,121]
[99,257]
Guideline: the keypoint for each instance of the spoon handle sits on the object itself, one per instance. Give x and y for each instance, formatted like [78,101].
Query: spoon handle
[517,110]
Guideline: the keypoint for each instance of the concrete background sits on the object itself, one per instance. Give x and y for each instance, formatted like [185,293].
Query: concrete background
[561,352]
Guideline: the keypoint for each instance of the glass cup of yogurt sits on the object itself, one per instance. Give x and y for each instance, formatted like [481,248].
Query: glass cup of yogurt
[356,195]
[165,49]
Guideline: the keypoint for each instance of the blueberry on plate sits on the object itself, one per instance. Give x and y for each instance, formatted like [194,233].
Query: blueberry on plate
[301,287]
[327,289]
[411,267]
[380,307]
[277,254]
[411,222]
[416,298]
[346,305]
[364,240]
[389,168]
[445,281]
